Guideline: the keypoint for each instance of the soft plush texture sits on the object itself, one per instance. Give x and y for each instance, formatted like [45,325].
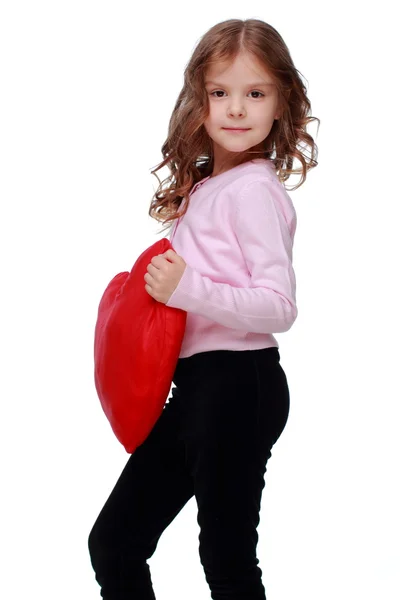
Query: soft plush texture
[136,348]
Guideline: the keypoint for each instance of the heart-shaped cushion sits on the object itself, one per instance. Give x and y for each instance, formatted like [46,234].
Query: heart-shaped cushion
[136,349]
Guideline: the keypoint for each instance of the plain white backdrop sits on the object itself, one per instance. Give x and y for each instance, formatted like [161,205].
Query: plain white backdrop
[87,90]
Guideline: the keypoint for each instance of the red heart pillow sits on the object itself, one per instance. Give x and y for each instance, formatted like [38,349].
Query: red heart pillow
[136,349]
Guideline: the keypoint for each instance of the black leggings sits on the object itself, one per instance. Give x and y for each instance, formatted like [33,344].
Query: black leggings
[212,440]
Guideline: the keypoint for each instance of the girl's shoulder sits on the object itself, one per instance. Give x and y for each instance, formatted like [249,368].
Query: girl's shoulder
[259,184]
[260,171]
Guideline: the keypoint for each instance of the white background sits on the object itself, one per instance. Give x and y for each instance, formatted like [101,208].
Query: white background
[87,90]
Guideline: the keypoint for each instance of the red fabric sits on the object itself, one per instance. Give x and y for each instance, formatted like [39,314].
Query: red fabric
[136,348]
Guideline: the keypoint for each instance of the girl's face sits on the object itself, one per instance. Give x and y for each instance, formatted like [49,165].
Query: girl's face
[240,95]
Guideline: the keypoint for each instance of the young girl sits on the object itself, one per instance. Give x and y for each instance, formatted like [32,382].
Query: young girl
[233,135]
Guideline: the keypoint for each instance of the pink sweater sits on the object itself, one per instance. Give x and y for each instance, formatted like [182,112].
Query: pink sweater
[236,238]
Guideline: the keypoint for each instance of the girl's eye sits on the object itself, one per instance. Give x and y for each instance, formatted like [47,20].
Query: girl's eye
[253,91]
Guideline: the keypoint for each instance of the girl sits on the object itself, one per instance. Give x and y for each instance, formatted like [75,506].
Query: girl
[231,270]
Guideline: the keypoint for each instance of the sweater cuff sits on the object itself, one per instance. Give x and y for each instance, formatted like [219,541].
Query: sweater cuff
[179,297]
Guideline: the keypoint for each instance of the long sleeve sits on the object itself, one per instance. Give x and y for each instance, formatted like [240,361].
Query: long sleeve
[268,305]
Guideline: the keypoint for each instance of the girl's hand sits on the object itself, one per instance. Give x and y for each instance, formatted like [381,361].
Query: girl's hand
[163,276]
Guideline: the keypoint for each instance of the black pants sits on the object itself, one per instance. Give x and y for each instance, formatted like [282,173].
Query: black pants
[212,440]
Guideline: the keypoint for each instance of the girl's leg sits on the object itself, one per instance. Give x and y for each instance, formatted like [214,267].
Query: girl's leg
[232,418]
[151,490]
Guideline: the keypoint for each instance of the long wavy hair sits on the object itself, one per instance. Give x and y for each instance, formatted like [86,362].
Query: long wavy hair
[188,149]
